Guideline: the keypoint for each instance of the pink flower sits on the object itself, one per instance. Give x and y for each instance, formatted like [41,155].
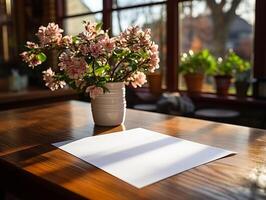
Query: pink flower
[145,38]
[135,39]
[85,35]
[65,59]
[51,82]
[90,31]
[50,34]
[32,45]
[153,62]
[154,58]
[84,48]
[30,58]
[96,49]
[154,48]
[91,27]
[108,44]
[138,79]
[25,56]
[133,30]
[66,40]
[75,67]
[94,91]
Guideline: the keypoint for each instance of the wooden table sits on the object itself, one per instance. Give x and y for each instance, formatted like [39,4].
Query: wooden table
[33,169]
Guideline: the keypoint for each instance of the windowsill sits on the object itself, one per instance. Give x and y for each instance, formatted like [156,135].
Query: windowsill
[229,99]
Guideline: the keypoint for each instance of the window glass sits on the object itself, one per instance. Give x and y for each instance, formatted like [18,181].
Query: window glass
[201,27]
[74,7]
[123,3]
[73,25]
[153,17]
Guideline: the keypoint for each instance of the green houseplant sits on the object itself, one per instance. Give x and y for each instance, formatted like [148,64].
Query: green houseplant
[194,66]
[242,78]
[226,69]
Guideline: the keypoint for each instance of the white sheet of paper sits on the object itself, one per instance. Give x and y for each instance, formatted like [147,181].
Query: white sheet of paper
[141,157]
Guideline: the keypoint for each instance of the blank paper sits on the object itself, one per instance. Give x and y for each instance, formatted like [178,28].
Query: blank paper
[141,157]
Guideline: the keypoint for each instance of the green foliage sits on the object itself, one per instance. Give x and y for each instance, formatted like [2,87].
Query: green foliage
[202,62]
[99,26]
[232,64]
[41,57]
[75,39]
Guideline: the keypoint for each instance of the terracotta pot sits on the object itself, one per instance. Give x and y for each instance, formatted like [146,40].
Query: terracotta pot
[194,82]
[109,108]
[241,88]
[222,84]
[155,83]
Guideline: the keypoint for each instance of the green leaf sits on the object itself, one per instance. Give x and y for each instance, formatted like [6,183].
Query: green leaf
[99,71]
[41,57]
[75,39]
[99,26]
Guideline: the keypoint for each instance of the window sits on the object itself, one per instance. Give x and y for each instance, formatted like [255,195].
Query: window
[190,25]
[7,44]
[78,11]
[124,3]
[152,16]
[203,26]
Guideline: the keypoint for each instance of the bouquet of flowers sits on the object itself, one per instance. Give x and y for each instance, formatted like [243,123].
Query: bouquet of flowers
[89,60]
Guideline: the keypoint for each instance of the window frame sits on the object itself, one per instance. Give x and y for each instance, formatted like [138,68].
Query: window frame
[172,39]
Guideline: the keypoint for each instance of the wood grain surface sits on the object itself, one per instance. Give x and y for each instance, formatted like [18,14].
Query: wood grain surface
[33,169]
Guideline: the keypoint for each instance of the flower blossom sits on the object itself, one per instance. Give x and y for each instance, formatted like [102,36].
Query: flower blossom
[96,49]
[84,49]
[128,36]
[145,37]
[108,44]
[90,31]
[66,40]
[32,45]
[137,79]
[94,91]
[91,27]
[75,67]
[135,38]
[30,58]
[132,53]
[102,45]
[154,58]
[50,34]
[51,82]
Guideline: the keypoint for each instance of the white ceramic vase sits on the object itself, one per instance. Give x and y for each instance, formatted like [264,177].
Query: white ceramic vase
[109,108]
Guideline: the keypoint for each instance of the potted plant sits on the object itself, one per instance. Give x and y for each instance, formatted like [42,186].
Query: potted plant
[242,77]
[224,72]
[95,64]
[155,82]
[194,66]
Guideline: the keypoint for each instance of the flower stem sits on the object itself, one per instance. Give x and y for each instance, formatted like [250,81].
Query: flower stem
[118,64]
